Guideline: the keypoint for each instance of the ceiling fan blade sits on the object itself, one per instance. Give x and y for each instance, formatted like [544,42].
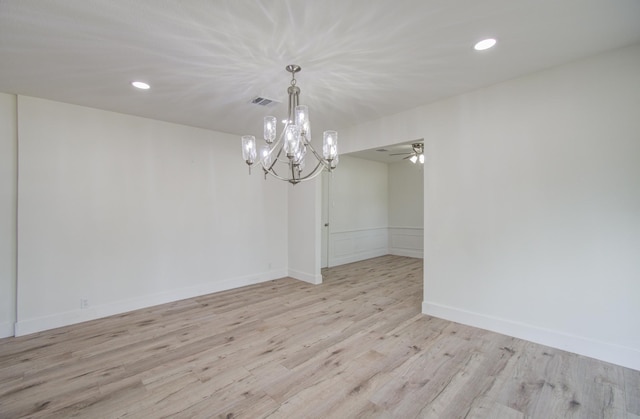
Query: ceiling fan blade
[400,154]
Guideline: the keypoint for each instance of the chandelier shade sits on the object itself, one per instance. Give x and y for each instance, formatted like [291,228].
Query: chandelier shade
[249,148]
[285,158]
[270,127]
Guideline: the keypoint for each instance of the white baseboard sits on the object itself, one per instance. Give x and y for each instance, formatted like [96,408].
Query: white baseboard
[6,329]
[337,261]
[24,327]
[620,355]
[418,254]
[306,277]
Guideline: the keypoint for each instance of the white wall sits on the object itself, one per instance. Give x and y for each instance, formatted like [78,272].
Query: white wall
[532,205]
[406,194]
[8,201]
[127,212]
[406,209]
[359,211]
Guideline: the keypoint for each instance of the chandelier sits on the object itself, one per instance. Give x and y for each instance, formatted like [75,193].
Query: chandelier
[285,158]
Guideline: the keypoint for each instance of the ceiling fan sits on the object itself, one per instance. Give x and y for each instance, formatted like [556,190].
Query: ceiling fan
[417,155]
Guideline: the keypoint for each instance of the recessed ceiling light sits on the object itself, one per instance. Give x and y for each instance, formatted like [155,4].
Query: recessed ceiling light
[484,44]
[140,85]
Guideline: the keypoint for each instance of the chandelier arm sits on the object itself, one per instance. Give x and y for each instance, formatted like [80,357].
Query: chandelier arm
[321,159]
[275,145]
[321,165]
[271,170]
[273,163]
[292,181]
[277,176]
[314,173]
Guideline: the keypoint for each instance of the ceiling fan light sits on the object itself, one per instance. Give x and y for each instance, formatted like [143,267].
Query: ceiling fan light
[421,158]
[413,159]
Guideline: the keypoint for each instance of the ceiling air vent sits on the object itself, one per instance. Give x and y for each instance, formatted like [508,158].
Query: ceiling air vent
[263,101]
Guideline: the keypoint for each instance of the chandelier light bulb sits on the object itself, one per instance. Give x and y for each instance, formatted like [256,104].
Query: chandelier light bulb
[291,140]
[249,148]
[266,156]
[302,120]
[270,125]
[330,145]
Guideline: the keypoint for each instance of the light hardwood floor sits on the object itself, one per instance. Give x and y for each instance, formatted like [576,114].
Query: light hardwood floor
[355,346]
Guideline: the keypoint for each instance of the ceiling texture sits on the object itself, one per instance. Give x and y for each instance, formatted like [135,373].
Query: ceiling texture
[361,59]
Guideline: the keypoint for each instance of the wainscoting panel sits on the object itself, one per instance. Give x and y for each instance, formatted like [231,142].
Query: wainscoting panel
[356,245]
[406,241]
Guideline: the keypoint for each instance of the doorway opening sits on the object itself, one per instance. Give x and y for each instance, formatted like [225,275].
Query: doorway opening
[374,205]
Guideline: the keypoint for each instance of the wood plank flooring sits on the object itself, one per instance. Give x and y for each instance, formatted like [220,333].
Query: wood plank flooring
[356,346]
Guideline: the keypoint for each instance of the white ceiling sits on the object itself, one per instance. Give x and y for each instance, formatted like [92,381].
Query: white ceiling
[361,59]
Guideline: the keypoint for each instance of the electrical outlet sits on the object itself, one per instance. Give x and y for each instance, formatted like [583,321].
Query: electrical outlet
[84,303]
